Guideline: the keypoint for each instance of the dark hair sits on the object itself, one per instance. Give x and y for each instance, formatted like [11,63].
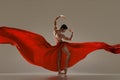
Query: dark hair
[64,26]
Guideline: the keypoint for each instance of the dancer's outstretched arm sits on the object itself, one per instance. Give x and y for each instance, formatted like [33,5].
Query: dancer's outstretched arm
[55,22]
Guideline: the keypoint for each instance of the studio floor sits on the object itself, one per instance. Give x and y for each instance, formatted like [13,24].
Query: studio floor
[56,77]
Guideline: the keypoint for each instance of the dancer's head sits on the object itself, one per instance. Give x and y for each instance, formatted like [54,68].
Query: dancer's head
[63,28]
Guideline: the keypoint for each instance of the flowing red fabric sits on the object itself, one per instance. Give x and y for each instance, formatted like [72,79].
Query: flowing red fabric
[36,50]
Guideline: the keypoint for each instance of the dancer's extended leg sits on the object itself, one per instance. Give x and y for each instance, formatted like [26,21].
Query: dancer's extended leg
[59,62]
[65,49]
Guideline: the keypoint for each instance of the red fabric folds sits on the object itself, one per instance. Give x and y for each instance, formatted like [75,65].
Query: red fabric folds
[36,50]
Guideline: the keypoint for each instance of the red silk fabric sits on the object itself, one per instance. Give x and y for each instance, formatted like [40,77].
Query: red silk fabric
[36,50]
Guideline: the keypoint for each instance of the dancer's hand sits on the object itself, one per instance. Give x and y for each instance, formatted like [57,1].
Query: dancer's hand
[62,16]
[70,30]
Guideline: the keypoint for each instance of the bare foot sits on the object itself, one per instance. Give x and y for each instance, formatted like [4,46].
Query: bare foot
[65,71]
[59,72]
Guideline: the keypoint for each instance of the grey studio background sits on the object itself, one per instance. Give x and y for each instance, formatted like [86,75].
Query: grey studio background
[91,20]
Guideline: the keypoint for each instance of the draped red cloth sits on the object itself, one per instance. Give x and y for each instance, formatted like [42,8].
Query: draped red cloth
[36,50]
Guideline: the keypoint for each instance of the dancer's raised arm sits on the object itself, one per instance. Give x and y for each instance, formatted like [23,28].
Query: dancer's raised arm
[55,22]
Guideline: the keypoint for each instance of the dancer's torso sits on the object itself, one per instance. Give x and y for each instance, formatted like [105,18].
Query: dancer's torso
[58,36]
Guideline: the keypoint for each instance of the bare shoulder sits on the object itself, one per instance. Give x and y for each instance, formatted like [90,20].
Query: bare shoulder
[56,32]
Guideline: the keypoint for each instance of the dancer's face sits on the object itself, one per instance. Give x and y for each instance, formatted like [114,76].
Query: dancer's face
[63,30]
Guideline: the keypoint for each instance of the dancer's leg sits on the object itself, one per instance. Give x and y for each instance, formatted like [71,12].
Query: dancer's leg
[59,62]
[67,52]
